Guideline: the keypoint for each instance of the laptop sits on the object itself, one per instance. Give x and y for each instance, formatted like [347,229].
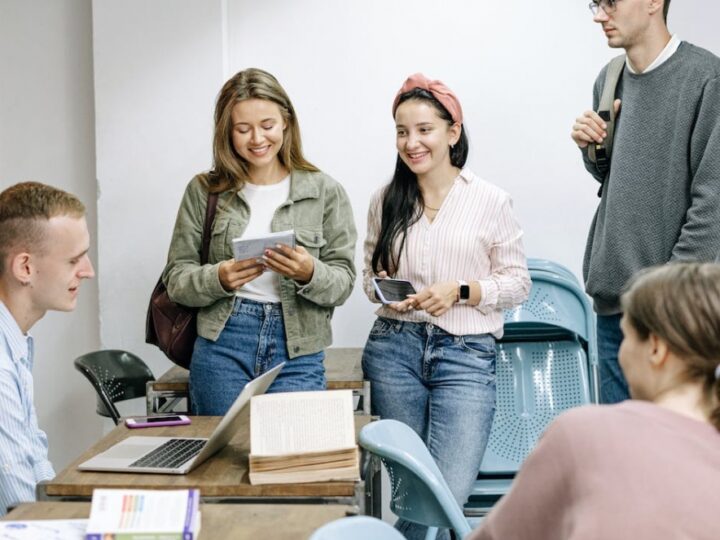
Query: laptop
[172,455]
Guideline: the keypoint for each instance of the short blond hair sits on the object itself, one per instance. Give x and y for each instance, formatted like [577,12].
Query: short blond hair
[24,208]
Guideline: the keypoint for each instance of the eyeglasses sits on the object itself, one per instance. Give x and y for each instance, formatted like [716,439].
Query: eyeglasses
[608,6]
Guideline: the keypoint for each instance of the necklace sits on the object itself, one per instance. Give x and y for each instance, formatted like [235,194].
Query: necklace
[431,208]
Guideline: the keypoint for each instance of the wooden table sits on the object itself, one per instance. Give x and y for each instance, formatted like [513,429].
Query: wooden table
[343,371]
[222,478]
[219,521]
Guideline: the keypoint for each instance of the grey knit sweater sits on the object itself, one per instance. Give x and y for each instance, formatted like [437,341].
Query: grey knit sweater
[661,200]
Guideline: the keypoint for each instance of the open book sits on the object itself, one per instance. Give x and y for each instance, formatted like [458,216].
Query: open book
[303,437]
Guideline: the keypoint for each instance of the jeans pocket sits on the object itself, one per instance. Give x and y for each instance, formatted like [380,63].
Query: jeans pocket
[382,327]
[481,344]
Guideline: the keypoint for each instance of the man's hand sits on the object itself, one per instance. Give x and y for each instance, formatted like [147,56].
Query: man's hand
[234,274]
[590,128]
[296,263]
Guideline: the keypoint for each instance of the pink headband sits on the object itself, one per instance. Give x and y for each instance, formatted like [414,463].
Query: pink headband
[439,91]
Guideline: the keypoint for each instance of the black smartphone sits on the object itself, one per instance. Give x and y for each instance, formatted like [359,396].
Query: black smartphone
[390,291]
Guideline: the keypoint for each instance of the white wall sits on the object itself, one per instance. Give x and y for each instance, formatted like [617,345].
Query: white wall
[523,71]
[47,134]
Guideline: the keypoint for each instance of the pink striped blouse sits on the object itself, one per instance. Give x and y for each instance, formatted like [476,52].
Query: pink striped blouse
[474,237]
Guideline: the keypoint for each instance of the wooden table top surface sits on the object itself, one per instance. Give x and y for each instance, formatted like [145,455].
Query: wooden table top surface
[219,521]
[223,475]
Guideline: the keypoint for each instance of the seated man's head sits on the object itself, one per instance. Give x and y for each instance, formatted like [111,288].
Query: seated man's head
[671,327]
[44,244]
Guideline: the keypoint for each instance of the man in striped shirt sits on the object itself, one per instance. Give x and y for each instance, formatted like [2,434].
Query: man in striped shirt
[44,244]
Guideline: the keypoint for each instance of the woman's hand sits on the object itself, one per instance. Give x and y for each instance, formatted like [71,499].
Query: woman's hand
[234,274]
[436,299]
[296,263]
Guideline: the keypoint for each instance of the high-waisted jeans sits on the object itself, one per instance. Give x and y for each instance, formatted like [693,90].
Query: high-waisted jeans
[441,385]
[252,342]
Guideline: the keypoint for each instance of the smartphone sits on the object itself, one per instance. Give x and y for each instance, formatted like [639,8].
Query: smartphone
[156,421]
[390,291]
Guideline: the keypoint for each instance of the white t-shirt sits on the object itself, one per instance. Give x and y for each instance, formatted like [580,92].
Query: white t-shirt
[263,201]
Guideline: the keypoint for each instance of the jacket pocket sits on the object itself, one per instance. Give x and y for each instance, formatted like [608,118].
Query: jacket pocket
[221,240]
[311,239]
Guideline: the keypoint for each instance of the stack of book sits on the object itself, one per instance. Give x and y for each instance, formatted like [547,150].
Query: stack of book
[127,514]
[302,437]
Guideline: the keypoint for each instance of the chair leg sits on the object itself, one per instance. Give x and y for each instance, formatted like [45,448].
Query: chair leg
[431,533]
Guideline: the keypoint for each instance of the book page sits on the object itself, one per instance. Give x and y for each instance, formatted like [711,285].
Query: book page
[253,248]
[47,529]
[301,422]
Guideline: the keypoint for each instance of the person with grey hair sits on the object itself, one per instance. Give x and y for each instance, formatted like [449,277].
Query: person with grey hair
[659,199]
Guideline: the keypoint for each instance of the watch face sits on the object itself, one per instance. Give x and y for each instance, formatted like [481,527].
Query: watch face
[464,292]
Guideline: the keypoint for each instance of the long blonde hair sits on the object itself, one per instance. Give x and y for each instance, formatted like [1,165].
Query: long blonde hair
[680,304]
[230,171]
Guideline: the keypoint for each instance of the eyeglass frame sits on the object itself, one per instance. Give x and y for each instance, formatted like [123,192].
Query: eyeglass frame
[608,6]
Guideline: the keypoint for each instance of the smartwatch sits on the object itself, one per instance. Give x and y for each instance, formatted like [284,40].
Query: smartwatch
[463,292]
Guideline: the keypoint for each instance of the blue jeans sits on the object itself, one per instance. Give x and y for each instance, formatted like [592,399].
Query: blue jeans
[613,386]
[442,386]
[252,342]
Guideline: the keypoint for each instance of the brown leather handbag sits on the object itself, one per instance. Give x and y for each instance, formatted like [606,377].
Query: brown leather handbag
[171,326]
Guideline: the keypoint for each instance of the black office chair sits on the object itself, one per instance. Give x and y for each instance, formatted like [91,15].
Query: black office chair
[116,376]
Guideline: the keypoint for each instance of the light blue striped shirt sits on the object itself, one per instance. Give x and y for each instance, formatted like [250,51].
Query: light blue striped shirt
[23,445]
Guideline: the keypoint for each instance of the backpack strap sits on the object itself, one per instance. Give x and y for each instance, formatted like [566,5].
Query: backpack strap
[207,226]
[600,153]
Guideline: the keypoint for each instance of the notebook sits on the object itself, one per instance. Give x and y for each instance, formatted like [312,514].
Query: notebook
[175,455]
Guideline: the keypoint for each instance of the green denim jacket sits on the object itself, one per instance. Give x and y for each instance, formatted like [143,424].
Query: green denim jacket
[317,209]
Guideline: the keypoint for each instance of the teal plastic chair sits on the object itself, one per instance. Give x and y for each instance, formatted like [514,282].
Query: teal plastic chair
[419,491]
[546,364]
[357,528]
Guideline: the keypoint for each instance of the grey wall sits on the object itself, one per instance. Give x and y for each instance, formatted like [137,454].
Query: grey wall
[47,134]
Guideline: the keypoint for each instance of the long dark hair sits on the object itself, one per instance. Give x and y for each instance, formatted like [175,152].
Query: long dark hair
[402,202]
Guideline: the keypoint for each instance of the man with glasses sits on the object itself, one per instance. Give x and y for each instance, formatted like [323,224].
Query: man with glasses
[659,200]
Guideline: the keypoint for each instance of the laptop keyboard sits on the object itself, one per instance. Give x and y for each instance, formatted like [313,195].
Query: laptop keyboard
[171,454]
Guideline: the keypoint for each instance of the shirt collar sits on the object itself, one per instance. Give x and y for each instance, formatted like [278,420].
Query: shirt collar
[665,54]
[21,345]
[467,175]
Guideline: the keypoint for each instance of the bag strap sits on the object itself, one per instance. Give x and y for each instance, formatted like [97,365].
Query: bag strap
[207,226]
[600,153]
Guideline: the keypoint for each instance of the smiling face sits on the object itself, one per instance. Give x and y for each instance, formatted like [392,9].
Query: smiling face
[57,269]
[628,25]
[258,130]
[423,138]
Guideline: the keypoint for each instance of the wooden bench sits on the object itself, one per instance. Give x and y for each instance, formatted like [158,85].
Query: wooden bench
[343,371]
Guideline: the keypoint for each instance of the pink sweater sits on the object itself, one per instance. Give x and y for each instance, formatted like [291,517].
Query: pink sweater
[632,471]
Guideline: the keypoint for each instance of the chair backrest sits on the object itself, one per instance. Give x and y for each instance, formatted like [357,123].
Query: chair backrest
[419,491]
[357,528]
[555,304]
[546,364]
[536,381]
[116,376]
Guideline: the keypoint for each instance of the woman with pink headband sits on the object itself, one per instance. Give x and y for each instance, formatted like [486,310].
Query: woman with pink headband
[431,357]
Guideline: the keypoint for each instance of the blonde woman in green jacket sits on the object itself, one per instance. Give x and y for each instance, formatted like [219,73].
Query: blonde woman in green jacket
[256,313]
